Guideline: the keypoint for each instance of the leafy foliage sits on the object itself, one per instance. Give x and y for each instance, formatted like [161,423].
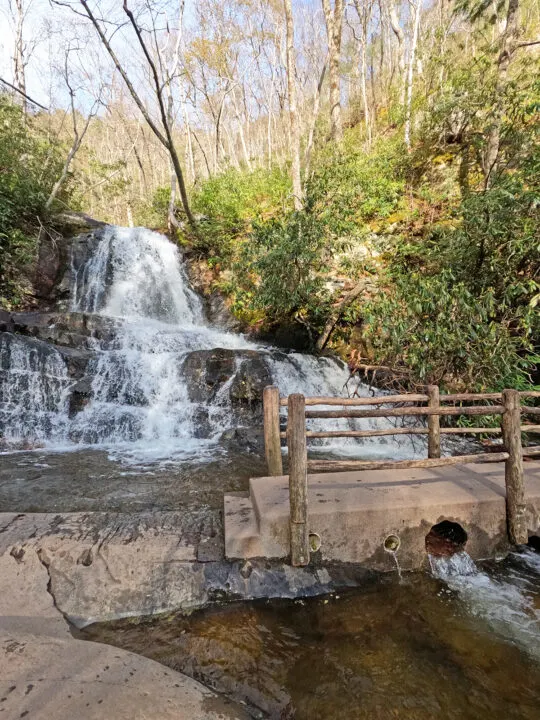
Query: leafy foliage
[29,166]
[281,267]
[229,202]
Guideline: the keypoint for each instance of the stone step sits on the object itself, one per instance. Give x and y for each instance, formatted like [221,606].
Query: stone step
[242,538]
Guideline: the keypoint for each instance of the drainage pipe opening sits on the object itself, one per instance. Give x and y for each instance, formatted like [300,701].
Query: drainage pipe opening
[392,543]
[445,539]
[315,542]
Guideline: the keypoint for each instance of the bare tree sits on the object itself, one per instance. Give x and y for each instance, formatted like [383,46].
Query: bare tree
[312,124]
[507,47]
[79,130]
[364,17]
[293,115]
[165,134]
[22,48]
[416,6]
[334,26]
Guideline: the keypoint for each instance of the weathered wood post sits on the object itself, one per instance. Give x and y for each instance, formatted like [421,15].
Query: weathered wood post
[515,489]
[434,423]
[272,443]
[296,441]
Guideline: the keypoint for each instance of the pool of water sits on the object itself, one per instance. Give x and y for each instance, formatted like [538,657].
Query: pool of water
[418,649]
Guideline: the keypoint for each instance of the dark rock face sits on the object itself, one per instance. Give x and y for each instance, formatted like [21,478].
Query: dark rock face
[287,334]
[238,377]
[219,314]
[80,395]
[250,380]
[38,353]
[207,372]
[40,379]
[70,329]
[61,249]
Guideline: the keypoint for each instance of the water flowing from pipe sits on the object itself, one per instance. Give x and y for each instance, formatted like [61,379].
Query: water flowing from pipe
[506,604]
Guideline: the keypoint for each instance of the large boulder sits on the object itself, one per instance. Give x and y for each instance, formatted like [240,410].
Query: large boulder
[70,329]
[240,374]
[61,249]
[250,380]
[207,371]
[39,383]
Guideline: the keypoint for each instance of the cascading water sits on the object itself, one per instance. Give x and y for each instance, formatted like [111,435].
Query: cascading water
[506,604]
[141,401]
[34,386]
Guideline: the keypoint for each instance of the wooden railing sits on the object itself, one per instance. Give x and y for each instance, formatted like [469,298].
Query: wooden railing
[507,406]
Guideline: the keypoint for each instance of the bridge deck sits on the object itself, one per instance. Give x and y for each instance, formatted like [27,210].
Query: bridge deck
[354,512]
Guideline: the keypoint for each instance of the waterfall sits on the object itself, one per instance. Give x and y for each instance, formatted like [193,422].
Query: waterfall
[34,387]
[140,402]
[505,604]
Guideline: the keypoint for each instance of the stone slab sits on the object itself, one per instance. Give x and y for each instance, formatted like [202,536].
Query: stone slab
[94,567]
[45,677]
[46,673]
[354,512]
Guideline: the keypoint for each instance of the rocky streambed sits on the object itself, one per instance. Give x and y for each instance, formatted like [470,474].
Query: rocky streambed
[127,411]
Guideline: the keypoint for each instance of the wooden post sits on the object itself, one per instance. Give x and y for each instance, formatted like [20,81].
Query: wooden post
[434,423]
[515,490]
[296,440]
[272,443]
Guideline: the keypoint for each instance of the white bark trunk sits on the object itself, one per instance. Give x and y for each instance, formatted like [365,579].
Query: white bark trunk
[293,115]
[410,70]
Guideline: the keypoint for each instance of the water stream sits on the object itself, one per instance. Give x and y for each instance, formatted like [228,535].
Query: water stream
[460,643]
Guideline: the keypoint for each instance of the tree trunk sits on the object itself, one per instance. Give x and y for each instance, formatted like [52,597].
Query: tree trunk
[507,48]
[293,115]
[164,137]
[18,55]
[314,116]
[334,23]
[410,71]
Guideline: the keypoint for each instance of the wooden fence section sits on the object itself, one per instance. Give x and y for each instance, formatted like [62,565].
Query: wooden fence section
[434,407]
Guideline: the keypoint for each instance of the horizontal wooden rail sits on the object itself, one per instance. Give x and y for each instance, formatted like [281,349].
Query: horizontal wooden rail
[408,431]
[343,465]
[406,398]
[403,412]
[430,405]
[379,400]
[526,410]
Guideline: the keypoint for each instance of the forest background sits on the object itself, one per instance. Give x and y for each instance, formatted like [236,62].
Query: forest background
[363,172]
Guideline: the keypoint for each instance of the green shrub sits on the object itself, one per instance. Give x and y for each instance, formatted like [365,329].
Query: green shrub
[29,166]
[281,268]
[349,188]
[231,201]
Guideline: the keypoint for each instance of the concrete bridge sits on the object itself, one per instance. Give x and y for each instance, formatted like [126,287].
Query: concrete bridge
[373,513]
[353,514]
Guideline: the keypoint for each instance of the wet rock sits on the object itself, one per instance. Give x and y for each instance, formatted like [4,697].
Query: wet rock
[59,253]
[53,260]
[80,395]
[206,371]
[250,439]
[238,378]
[219,314]
[250,380]
[534,543]
[70,329]
[287,334]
